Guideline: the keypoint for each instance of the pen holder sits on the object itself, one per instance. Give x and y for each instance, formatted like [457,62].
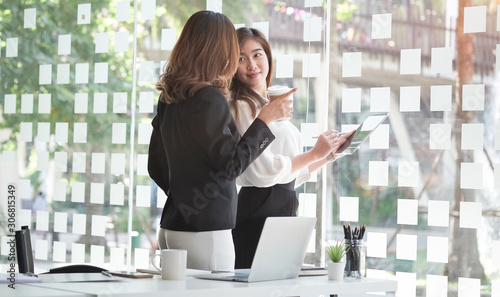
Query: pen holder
[355,258]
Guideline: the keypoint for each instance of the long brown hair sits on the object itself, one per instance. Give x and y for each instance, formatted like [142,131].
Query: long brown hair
[240,91]
[206,54]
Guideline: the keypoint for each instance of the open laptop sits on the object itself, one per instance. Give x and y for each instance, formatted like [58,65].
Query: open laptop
[280,252]
[362,133]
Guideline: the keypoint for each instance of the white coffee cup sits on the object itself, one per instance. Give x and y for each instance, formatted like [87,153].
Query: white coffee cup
[172,262]
[275,91]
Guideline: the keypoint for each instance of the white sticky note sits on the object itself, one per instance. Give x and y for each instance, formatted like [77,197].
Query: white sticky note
[60,190]
[312,29]
[308,131]
[42,220]
[498,29]
[307,205]
[80,133]
[475,19]
[406,247]
[5,245]
[41,249]
[141,258]
[349,209]
[408,173]
[437,285]
[79,223]
[379,139]
[351,64]
[410,99]
[472,136]
[78,192]
[351,100]
[407,284]
[214,5]
[116,194]
[11,48]
[168,39]
[438,213]
[26,131]
[121,42]
[60,222]
[469,287]
[77,253]
[146,102]
[496,256]
[473,97]
[79,162]
[100,102]
[148,10]
[101,73]
[117,258]
[61,161]
[313,3]
[27,103]
[45,74]
[437,249]
[59,251]
[237,26]
[470,214]
[378,173]
[142,165]
[376,244]
[29,18]
[120,102]
[144,133]
[380,99]
[119,133]
[42,161]
[10,104]
[24,217]
[101,43]
[64,44]
[63,74]
[147,72]
[143,196]
[497,51]
[471,176]
[381,26]
[311,65]
[410,61]
[98,225]
[441,97]
[97,193]
[407,212]
[97,255]
[98,163]
[82,73]
[44,103]
[83,16]
[284,66]
[263,27]
[24,189]
[117,163]
[496,176]
[442,60]
[123,11]
[81,103]
[439,136]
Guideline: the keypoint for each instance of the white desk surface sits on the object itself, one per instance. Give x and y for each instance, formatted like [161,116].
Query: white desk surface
[193,287]
[24,290]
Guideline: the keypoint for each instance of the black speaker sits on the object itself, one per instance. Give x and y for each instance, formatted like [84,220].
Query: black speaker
[24,251]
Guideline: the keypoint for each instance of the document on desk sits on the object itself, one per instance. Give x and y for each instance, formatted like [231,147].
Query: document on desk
[18,278]
[76,277]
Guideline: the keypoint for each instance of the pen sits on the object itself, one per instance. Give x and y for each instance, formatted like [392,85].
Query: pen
[339,134]
[106,273]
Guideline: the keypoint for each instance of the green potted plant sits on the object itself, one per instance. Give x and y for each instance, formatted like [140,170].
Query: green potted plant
[336,266]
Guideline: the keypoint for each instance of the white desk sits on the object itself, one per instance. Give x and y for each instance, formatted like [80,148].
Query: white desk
[192,287]
[23,290]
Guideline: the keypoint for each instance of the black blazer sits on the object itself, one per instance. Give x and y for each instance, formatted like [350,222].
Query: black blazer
[195,155]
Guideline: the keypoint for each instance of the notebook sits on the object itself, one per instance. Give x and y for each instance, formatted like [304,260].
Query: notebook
[362,133]
[280,252]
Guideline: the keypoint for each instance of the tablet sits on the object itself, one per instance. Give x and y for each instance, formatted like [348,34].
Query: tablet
[362,133]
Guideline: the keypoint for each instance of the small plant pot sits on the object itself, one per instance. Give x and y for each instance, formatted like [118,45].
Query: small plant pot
[336,270]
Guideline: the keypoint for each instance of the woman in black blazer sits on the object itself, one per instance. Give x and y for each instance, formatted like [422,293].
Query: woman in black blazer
[196,151]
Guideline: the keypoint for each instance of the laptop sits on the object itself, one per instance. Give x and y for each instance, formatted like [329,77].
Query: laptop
[362,133]
[280,252]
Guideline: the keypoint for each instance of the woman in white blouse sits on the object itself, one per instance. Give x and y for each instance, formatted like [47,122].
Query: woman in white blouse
[267,185]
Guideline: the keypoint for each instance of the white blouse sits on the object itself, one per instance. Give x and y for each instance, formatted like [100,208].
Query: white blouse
[274,165]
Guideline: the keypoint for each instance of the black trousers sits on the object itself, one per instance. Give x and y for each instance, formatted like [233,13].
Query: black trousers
[254,206]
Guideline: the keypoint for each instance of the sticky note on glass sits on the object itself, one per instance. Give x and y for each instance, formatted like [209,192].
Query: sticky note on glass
[470,214]
[148,10]
[62,132]
[79,162]
[41,249]
[214,5]
[351,100]
[471,176]
[379,139]
[98,225]
[410,61]
[141,258]
[407,212]
[102,43]
[10,104]
[116,194]
[284,66]
[438,213]
[380,99]
[43,131]
[143,196]
[473,97]
[475,19]
[80,133]
[117,258]
[408,173]
[82,73]
[439,136]
[168,39]
[123,11]
[378,173]
[97,255]
[61,161]
[351,64]
[311,65]
[472,136]
[83,14]
[144,133]
[78,192]
[263,27]
[101,73]
[436,285]
[45,74]
[62,73]
[60,191]
[77,253]
[442,60]
[313,3]
[146,102]
[97,193]
[42,220]
[117,163]
[64,44]
[61,222]
[26,131]
[147,72]
[121,41]
[381,26]
[44,103]
[11,47]
[42,161]
[441,98]
[59,251]
[309,132]
[79,223]
[98,163]
[142,165]
[29,18]
[119,133]
[100,102]
[406,247]
[27,103]
[376,244]
[312,29]
[407,284]
[470,287]
[307,205]
[349,209]
[410,99]
[437,249]
[120,102]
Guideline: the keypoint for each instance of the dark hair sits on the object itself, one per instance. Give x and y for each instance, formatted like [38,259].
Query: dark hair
[206,54]
[240,91]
